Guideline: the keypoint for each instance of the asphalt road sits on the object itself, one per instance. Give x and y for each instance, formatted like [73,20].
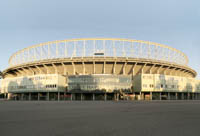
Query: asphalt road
[99,118]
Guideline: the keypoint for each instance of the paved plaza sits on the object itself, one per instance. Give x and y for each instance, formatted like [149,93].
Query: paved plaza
[99,118]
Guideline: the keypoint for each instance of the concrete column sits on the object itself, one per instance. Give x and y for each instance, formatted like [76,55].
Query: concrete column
[182,96]
[15,97]
[143,96]
[29,96]
[105,97]
[38,96]
[168,96]
[81,96]
[58,96]
[176,96]
[140,95]
[117,97]
[47,96]
[188,95]
[150,95]
[9,96]
[160,96]
[104,67]
[93,97]
[4,95]
[71,96]
[133,96]
[94,71]
[64,95]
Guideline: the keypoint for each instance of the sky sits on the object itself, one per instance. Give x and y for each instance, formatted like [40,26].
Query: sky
[175,23]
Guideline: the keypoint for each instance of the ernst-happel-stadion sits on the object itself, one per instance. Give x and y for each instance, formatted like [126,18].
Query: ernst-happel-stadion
[100,69]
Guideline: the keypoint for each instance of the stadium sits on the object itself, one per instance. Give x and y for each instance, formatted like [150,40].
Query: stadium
[99,69]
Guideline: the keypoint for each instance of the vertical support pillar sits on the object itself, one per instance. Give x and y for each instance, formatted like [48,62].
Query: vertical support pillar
[94,68]
[93,97]
[114,67]
[81,96]
[58,96]
[38,96]
[83,68]
[71,96]
[124,68]
[29,97]
[9,96]
[105,97]
[168,96]
[133,96]
[74,69]
[160,95]
[191,96]
[47,96]
[182,96]
[104,67]
[188,95]
[64,95]
[143,96]
[176,94]
[150,95]
[140,95]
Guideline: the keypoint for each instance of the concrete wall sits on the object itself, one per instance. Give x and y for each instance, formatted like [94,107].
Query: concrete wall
[37,83]
[165,83]
[137,83]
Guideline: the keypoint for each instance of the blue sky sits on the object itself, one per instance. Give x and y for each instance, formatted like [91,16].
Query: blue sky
[172,22]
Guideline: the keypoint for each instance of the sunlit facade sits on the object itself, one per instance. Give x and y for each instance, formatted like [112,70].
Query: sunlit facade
[99,69]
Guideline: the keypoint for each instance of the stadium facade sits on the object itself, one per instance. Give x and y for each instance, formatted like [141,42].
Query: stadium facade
[100,69]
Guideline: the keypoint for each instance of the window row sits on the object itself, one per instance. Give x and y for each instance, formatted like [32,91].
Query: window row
[146,86]
[169,86]
[51,86]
